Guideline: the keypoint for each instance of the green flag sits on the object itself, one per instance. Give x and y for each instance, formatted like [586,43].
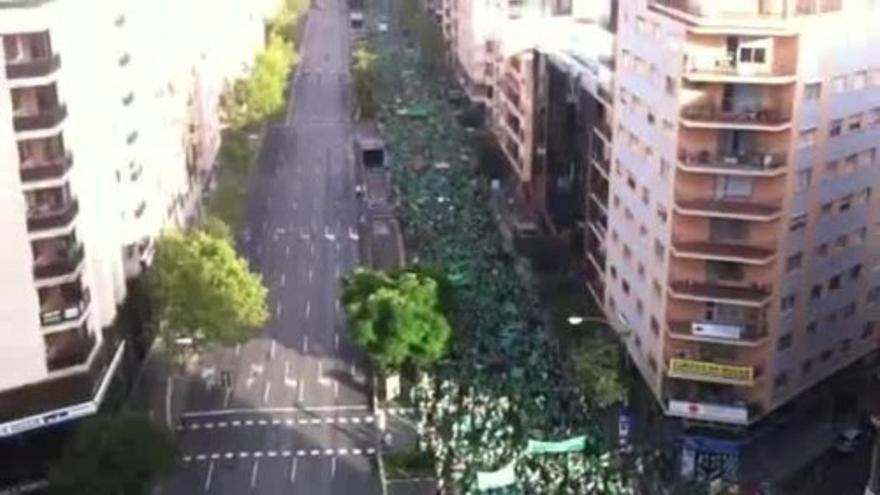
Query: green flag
[575,444]
[496,479]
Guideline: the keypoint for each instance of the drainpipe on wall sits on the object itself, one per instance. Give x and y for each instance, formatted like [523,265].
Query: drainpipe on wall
[873,487]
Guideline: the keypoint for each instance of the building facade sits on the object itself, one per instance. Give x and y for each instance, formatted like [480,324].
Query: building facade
[107,134]
[743,242]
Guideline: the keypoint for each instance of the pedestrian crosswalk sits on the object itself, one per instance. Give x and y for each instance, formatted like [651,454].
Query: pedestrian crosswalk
[260,454]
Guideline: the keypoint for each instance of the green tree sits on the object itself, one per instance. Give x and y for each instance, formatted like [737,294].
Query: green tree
[204,291]
[596,364]
[364,72]
[261,94]
[396,317]
[114,455]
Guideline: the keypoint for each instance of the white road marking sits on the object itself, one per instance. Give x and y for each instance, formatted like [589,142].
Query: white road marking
[187,458]
[272,350]
[312,250]
[236,423]
[368,419]
[209,475]
[276,422]
[237,349]
[311,275]
[266,392]
[315,421]
[342,452]
[209,426]
[305,344]
[169,392]
[286,255]
[308,309]
[328,452]
[336,340]
[215,456]
[300,453]
[254,471]
[342,421]
[332,466]
[221,424]
[371,450]
[337,271]
[315,452]
[243,455]
[262,422]
[229,455]
[336,388]
[356,420]
[278,310]
[258,454]
[293,470]
[271,453]
[249,422]
[275,410]
[283,278]
[195,426]
[289,422]
[356,451]
[285,453]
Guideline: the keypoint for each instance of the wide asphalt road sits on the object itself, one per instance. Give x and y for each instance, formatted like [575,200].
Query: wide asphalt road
[295,415]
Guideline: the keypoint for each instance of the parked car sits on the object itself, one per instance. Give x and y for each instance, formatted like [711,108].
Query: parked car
[849,440]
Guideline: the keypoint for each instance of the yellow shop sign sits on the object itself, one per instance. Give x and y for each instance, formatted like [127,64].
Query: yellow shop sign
[688,368]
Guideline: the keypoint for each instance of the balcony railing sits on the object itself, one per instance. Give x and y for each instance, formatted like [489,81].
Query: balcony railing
[45,119]
[711,114]
[733,10]
[36,67]
[721,251]
[72,353]
[69,312]
[726,163]
[729,208]
[731,373]
[730,332]
[50,218]
[754,294]
[725,66]
[64,263]
[52,169]
[712,410]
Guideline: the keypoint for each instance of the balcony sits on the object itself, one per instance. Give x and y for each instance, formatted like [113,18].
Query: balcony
[730,373]
[709,116]
[35,67]
[63,304]
[43,118]
[760,164]
[50,216]
[752,295]
[741,16]
[70,348]
[724,69]
[50,168]
[722,251]
[733,413]
[729,208]
[56,258]
[739,333]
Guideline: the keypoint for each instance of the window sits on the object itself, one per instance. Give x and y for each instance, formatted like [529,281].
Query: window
[850,164]
[664,167]
[662,213]
[646,195]
[658,289]
[613,271]
[807,138]
[753,55]
[826,208]
[652,363]
[867,157]
[838,84]
[845,345]
[787,303]
[816,292]
[781,380]
[655,327]
[841,242]
[640,308]
[854,123]
[794,262]
[668,126]
[845,203]
[822,250]
[834,283]
[641,270]
[624,285]
[783,343]
[848,311]
[874,119]
[670,86]
[659,249]
[807,366]
[831,168]
[811,327]
[803,179]
[868,330]
[612,304]
[631,181]
[835,127]
[855,271]
[798,222]
[860,236]
[873,295]
[627,253]
[826,355]
[615,201]
[812,91]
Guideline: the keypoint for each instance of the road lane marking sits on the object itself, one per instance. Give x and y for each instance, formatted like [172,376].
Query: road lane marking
[301,392]
[249,422]
[243,455]
[368,419]
[271,410]
[343,421]
[272,350]
[311,275]
[221,424]
[229,455]
[356,451]
[209,426]
[371,450]
[278,310]
[329,421]
[336,389]
[315,452]
[262,422]
[258,454]
[333,466]
[300,453]
[303,421]
[237,349]
[266,392]
[236,422]
[285,453]
[312,250]
[315,421]
[276,421]
[356,420]
[254,471]
[289,422]
[283,278]
[209,475]
[342,451]
[308,309]
[336,340]
[293,470]
[328,452]
[305,344]
[286,255]
[187,458]
[215,456]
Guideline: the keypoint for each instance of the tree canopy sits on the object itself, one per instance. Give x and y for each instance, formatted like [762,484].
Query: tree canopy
[364,75]
[261,94]
[396,317]
[204,291]
[114,455]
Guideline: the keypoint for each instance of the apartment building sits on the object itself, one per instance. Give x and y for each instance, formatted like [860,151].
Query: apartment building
[742,243]
[108,133]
